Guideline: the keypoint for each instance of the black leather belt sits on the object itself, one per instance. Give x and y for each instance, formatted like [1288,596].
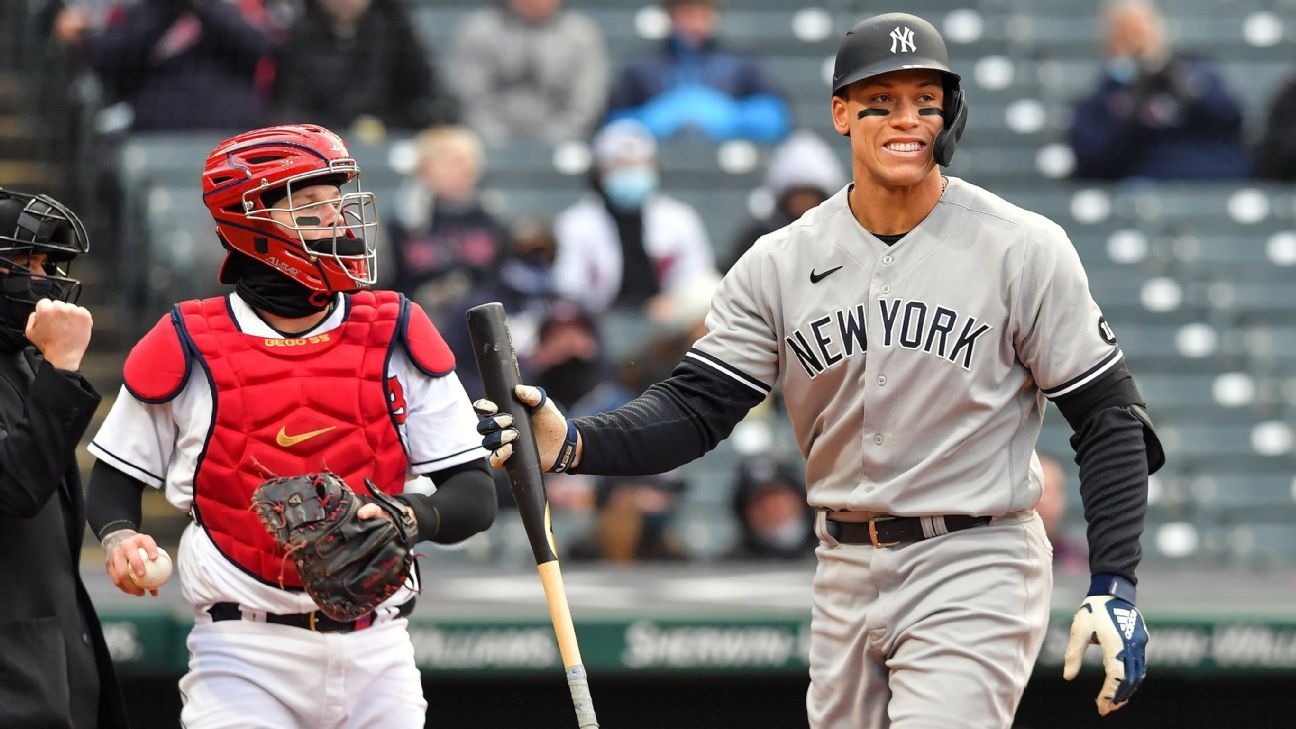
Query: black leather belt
[316,621]
[888,531]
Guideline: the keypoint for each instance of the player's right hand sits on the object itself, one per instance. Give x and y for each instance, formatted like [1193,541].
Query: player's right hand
[121,557]
[547,422]
[61,331]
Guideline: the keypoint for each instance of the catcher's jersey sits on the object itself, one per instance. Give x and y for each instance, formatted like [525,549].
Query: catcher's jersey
[914,374]
[160,444]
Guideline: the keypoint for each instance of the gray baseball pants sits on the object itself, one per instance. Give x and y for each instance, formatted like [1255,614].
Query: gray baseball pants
[929,635]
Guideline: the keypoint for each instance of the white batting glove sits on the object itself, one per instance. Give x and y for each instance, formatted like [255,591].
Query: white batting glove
[1108,618]
[556,436]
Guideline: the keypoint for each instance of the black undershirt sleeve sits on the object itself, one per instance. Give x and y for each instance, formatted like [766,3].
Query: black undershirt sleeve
[112,500]
[1113,488]
[671,423]
[463,504]
[1116,449]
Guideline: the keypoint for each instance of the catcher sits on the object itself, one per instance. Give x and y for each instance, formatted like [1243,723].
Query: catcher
[300,583]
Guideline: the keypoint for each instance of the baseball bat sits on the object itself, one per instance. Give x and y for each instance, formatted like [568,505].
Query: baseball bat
[497,362]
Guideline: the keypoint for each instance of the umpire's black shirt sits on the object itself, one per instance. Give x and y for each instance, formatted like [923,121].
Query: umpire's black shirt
[55,670]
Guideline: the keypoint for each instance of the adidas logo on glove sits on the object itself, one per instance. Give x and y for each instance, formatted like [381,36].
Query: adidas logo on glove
[1126,620]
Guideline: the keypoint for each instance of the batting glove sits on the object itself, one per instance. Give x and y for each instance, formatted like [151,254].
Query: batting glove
[1108,618]
[555,435]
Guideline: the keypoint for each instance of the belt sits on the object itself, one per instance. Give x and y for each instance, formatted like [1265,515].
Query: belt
[888,531]
[314,621]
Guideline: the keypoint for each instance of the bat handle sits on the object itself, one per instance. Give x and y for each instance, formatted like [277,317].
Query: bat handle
[580,693]
[560,613]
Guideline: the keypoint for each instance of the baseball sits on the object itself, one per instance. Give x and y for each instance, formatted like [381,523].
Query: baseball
[156,572]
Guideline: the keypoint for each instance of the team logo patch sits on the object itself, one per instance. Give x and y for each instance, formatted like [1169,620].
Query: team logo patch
[1105,331]
[902,40]
[396,400]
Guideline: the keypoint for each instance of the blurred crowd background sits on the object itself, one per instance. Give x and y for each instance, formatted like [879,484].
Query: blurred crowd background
[598,165]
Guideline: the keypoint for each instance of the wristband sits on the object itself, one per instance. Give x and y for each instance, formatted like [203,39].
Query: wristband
[567,453]
[1113,586]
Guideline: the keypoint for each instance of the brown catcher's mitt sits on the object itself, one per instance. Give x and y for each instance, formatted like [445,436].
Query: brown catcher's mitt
[347,565]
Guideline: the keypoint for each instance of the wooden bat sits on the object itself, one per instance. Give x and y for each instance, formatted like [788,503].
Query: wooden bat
[497,362]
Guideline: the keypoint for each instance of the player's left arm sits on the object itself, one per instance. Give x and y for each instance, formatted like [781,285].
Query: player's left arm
[1076,360]
[440,432]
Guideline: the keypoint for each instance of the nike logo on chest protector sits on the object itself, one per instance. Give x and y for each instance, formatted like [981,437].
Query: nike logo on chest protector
[288,441]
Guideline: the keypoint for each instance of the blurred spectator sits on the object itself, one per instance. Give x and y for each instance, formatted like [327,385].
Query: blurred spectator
[803,172]
[349,61]
[634,521]
[1276,155]
[529,70]
[682,322]
[444,242]
[1156,113]
[570,362]
[626,244]
[774,521]
[523,284]
[694,85]
[178,64]
[1069,555]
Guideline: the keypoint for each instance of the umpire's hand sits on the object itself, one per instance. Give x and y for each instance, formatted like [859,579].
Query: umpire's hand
[557,439]
[61,331]
[1116,626]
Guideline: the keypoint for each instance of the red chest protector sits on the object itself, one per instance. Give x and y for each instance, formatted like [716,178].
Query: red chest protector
[287,406]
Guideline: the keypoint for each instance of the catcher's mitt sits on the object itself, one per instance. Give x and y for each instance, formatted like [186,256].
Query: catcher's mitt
[347,565]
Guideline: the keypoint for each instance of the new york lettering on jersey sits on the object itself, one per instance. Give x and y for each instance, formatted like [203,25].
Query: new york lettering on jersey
[824,342]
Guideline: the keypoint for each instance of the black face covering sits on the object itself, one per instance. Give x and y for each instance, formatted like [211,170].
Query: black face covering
[19,292]
[570,380]
[274,293]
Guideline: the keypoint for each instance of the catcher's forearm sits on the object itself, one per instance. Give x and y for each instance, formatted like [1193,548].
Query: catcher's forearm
[112,500]
[464,504]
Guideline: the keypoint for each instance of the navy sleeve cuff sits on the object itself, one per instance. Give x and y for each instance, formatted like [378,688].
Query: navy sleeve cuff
[1113,585]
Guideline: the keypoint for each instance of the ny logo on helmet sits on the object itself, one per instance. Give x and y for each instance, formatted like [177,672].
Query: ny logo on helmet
[904,37]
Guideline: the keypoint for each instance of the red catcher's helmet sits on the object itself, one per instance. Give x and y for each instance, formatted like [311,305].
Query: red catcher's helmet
[248,173]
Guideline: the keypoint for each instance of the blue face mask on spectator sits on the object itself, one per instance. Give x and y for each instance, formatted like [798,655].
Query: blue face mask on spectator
[1123,69]
[627,189]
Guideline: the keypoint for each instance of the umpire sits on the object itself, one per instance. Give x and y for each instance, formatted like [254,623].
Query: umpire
[55,670]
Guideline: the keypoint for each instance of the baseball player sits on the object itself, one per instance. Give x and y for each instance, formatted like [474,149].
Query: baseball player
[301,368]
[917,324]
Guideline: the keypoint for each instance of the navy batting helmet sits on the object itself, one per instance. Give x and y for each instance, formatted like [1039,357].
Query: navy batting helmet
[895,42]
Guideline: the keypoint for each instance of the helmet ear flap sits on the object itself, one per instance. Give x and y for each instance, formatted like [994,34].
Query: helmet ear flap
[956,113]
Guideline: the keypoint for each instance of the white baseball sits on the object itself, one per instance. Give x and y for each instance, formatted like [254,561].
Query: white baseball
[156,572]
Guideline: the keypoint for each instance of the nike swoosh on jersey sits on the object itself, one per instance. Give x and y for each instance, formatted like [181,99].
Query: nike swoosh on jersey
[288,441]
[817,277]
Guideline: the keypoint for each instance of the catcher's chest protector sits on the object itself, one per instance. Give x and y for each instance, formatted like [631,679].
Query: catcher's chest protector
[287,407]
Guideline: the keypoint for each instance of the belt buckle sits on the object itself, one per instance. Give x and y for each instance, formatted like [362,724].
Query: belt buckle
[873,536]
[311,621]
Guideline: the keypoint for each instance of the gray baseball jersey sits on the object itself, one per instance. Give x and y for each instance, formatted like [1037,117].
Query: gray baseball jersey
[915,375]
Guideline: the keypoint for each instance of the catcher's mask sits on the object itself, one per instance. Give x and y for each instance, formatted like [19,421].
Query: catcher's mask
[32,225]
[325,245]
